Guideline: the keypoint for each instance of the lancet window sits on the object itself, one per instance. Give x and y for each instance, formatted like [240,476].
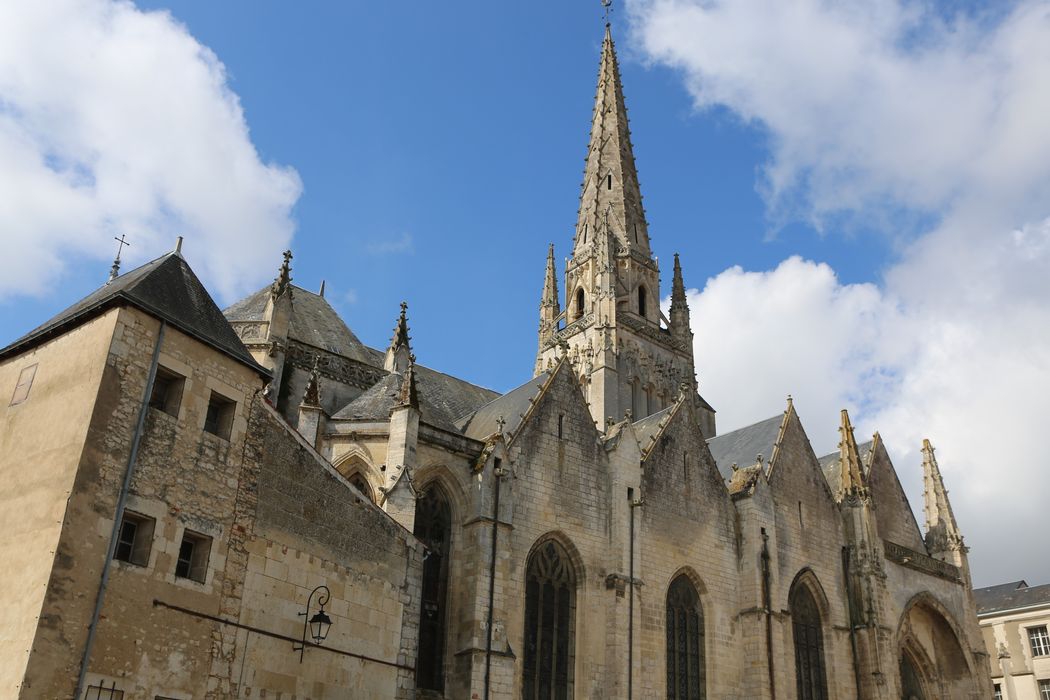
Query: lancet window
[550,610]
[686,671]
[809,645]
[433,526]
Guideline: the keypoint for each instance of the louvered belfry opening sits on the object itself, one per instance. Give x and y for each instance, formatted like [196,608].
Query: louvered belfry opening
[686,670]
[433,527]
[550,611]
[809,645]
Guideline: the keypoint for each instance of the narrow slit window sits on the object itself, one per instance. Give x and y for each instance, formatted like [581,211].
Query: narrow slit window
[608,181]
[561,426]
[25,383]
[580,303]
[641,301]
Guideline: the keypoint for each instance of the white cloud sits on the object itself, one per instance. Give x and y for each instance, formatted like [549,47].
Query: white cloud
[116,121]
[889,113]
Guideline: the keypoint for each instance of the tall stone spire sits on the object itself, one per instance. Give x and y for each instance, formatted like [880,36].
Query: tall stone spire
[943,537]
[399,354]
[853,484]
[679,306]
[610,181]
[550,306]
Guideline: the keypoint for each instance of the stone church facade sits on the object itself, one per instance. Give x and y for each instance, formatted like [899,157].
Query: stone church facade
[585,535]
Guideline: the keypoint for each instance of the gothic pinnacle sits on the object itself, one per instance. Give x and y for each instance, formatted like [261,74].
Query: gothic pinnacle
[849,461]
[679,312]
[283,283]
[399,354]
[942,531]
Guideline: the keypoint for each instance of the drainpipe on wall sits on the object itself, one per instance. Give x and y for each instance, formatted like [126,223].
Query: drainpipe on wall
[768,605]
[497,472]
[122,499]
[630,605]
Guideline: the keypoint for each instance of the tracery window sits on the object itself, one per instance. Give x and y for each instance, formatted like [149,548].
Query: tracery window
[433,526]
[686,670]
[550,610]
[809,645]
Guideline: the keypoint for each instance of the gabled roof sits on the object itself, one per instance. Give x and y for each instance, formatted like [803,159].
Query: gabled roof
[511,406]
[1010,596]
[742,446]
[165,288]
[314,322]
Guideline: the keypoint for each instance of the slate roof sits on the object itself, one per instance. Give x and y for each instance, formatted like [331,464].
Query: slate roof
[647,428]
[441,399]
[829,464]
[165,288]
[512,406]
[742,446]
[314,322]
[1010,596]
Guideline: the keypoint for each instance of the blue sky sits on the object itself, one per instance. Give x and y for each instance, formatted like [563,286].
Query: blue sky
[440,150]
[860,192]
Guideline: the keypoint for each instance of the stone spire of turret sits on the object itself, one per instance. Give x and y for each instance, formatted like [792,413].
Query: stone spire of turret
[283,284]
[679,306]
[409,394]
[942,531]
[610,181]
[550,306]
[399,354]
[853,484]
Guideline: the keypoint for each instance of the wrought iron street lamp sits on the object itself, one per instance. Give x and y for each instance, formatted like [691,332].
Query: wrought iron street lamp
[318,625]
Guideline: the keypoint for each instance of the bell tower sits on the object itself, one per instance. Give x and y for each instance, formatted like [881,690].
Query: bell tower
[630,357]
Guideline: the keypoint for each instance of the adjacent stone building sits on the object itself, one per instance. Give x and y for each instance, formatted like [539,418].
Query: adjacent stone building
[179,480]
[1015,619]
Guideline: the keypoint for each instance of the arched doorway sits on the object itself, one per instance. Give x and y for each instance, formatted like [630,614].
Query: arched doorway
[913,686]
[686,668]
[933,663]
[550,623]
[433,527]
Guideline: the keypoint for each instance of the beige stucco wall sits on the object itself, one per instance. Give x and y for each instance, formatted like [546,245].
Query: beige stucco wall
[1018,672]
[41,443]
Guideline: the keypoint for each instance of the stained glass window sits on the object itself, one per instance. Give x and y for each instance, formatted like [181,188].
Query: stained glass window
[809,646]
[433,527]
[550,608]
[686,672]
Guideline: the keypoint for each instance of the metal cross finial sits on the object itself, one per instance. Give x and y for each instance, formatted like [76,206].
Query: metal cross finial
[115,270]
[607,5]
[500,422]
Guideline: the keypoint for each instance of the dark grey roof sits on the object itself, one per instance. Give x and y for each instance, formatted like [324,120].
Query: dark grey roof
[1010,596]
[829,464]
[742,446]
[646,428]
[511,406]
[314,322]
[440,396]
[165,288]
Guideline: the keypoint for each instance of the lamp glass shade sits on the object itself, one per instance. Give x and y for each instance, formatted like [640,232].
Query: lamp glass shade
[319,625]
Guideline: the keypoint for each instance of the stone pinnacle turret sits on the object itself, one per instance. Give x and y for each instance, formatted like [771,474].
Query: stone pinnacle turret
[550,306]
[679,313]
[942,531]
[853,483]
[399,354]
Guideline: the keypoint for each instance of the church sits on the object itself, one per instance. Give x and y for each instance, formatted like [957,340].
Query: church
[252,503]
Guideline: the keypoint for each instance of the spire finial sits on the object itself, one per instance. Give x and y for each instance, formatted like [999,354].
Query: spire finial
[606,9]
[399,355]
[321,293]
[115,270]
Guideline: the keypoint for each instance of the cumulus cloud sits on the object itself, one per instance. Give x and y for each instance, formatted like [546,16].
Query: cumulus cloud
[117,121]
[926,124]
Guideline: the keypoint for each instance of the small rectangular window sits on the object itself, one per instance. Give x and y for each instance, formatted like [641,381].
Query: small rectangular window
[1040,642]
[219,419]
[167,391]
[1044,689]
[25,383]
[135,538]
[997,692]
[194,551]
[103,692]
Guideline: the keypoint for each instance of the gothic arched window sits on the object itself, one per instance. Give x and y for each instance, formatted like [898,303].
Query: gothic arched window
[580,299]
[550,611]
[809,645]
[358,481]
[641,301]
[686,670]
[433,527]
